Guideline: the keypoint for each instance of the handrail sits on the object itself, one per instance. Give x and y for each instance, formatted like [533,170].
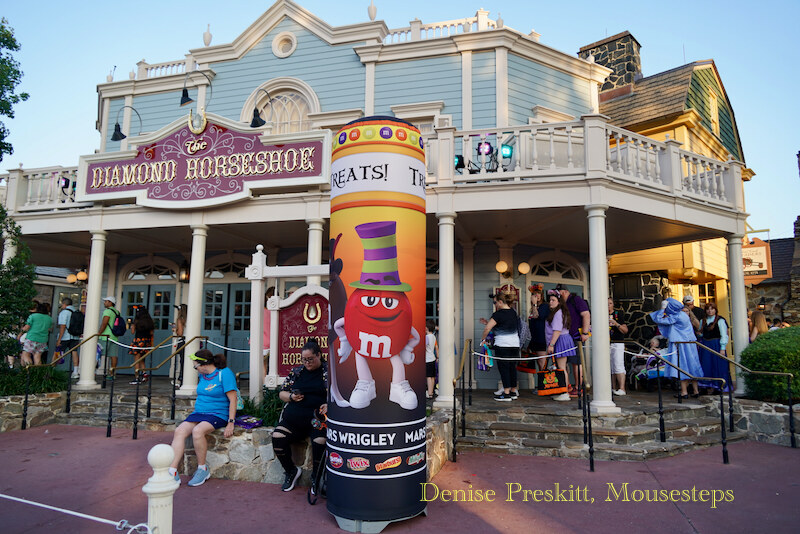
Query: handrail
[113,371]
[584,398]
[467,351]
[789,377]
[52,365]
[691,376]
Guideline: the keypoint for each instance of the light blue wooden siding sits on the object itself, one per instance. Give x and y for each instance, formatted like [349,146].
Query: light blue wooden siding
[158,110]
[335,73]
[422,80]
[484,90]
[531,84]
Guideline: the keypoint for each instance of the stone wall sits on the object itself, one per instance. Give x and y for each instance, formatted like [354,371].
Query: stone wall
[42,410]
[620,53]
[763,421]
[640,327]
[774,296]
[248,454]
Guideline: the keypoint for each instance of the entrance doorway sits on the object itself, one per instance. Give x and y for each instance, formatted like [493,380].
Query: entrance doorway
[159,300]
[226,322]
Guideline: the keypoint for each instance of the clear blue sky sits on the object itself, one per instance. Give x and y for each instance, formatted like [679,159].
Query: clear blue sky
[69,47]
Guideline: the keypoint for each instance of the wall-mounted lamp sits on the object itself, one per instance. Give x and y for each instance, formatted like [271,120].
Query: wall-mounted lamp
[524,268]
[118,135]
[78,279]
[762,304]
[257,121]
[185,99]
[502,268]
[183,272]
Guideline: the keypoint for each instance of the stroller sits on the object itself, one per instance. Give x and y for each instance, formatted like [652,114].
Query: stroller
[645,367]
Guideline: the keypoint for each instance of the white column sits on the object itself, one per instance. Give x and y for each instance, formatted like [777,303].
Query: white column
[447,323]
[255,272]
[272,377]
[468,283]
[741,337]
[315,227]
[194,315]
[9,248]
[601,338]
[91,323]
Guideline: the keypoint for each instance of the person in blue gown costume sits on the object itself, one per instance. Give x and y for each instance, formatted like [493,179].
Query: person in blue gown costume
[674,324]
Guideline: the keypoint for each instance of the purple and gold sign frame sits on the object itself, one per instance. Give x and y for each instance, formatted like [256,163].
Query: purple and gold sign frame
[176,168]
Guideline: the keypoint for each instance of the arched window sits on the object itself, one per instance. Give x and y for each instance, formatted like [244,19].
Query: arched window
[288,112]
[152,271]
[287,108]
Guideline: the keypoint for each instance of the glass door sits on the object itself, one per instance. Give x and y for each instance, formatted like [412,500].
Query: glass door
[238,327]
[161,300]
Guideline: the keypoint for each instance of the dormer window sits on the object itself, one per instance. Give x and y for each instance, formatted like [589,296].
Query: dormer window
[713,110]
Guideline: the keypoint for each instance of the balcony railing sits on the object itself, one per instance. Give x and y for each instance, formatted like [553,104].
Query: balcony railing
[417,31]
[561,152]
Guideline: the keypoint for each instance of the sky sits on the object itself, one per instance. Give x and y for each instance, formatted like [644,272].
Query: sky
[69,47]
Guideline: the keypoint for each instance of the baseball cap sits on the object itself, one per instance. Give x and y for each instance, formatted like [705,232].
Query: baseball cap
[111,299]
[688,298]
[561,287]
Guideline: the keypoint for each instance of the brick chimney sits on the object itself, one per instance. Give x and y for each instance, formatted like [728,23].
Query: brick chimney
[620,53]
[791,310]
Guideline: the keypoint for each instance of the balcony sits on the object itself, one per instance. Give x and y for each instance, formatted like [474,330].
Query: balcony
[545,155]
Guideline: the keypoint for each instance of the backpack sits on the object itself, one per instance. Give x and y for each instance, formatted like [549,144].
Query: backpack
[118,327]
[75,325]
[524,334]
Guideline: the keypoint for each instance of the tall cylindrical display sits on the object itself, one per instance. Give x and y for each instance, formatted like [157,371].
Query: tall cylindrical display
[376,410]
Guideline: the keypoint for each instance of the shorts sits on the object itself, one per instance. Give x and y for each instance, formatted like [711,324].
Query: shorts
[538,346]
[215,421]
[33,347]
[68,345]
[575,358]
[617,358]
[430,369]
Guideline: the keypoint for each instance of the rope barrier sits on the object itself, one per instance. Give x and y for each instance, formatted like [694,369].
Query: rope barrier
[227,348]
[122,524]
[129,346]
[554,355]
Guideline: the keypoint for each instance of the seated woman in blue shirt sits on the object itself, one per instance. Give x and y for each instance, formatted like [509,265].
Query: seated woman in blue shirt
[214,408]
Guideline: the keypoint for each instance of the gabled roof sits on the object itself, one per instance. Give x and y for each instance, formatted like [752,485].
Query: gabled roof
[655,97]
[780,252]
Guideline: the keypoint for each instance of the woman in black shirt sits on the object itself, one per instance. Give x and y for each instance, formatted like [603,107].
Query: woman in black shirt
[505,326]
[304,392]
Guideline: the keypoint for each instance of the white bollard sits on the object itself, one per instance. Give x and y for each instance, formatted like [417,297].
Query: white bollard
[159,489]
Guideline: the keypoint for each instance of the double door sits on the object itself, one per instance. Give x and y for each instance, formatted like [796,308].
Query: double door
[226,322]
[159,301]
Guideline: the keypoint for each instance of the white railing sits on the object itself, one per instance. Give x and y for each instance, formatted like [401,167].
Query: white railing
[417,31]
[633,157]
[703,177]
[168,68]
[49,188]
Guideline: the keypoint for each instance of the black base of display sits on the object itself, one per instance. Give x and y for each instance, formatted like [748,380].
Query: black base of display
[369,527]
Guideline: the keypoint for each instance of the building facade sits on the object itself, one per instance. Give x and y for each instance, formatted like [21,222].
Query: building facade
[526,181]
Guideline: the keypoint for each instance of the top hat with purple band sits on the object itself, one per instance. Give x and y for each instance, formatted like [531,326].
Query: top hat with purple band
[379,270]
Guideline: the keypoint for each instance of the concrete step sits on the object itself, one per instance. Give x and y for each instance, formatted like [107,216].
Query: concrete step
[127,409]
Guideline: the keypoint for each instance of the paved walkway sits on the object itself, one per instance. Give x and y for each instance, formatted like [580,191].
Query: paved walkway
[80,469]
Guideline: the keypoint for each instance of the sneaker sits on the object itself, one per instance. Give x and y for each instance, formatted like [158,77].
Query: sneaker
[514,394]
[499,391]
[75,373]
[177,478]
[619,392]
[362,394]
[502,397]
[564,397]
[403,395]
[291,479]
[200,476]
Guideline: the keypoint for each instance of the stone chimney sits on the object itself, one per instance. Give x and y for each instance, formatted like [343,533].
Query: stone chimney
[620,53]
[791,310]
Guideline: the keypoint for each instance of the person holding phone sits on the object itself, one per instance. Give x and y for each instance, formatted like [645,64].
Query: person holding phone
[305,393]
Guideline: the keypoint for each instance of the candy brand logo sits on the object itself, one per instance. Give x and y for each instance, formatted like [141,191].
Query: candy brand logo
[394,461]
[336,460]
[358,463]
[414,459]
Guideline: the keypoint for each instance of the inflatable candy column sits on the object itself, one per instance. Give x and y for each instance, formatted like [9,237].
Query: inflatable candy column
[376,410]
